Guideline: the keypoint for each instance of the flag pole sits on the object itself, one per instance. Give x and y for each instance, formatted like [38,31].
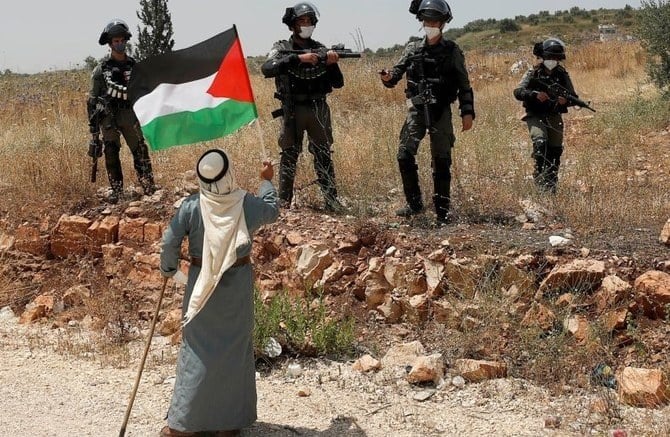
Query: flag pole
[264,153]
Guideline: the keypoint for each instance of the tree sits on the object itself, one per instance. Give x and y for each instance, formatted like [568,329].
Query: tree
[653,28]
[90,63]
[156,36]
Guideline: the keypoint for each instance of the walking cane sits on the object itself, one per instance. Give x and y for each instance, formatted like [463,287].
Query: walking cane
[144,358]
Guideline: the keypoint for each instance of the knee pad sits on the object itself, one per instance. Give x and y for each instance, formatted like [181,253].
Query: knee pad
[405,155]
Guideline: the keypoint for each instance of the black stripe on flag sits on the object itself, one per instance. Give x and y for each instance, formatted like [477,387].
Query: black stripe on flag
[180,66]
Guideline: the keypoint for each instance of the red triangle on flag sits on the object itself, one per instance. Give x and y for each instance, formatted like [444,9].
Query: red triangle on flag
[232,79]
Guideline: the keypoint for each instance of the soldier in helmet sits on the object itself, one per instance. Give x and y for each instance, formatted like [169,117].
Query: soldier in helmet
[436,77]
[303,81]
[543,111]
[111,114]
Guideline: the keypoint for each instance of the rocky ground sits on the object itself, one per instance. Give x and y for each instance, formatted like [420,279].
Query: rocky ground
[47,391]
[400,281]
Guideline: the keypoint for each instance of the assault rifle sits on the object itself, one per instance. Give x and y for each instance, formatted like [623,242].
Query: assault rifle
[322,52]
[95,145]
[425,96]
[556,90]
[287,109]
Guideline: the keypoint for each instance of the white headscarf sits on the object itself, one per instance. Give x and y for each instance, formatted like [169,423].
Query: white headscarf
[225,230]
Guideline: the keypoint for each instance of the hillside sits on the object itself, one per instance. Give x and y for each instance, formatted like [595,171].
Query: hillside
[574,26]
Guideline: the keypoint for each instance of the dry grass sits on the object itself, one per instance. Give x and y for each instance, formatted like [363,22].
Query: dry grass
[614,167]
[609,175]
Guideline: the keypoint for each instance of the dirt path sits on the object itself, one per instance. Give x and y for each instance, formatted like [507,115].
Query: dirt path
[48,393]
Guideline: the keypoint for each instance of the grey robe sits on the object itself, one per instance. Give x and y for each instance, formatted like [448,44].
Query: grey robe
[215,389]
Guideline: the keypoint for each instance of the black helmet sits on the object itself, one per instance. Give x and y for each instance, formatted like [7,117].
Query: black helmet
[114,28]
[553,48]
[437,10]
[297,11]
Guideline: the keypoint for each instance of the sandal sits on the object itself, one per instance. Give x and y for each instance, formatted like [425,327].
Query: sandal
[169,432]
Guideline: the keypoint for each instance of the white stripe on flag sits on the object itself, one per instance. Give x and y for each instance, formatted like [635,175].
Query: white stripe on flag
[169,98]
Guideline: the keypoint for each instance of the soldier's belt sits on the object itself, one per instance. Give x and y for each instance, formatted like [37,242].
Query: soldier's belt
[120,104]
[308,98]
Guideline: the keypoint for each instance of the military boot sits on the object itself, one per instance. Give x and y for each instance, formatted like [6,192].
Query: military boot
[442,190]
[333,205]
[117,192]
[285,190]
[287,166]
[410,185]
[148,186]
[329,191]
[442,213]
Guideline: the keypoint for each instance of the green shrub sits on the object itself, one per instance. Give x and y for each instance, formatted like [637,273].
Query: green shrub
[509,25]
[653,29]
[302,327]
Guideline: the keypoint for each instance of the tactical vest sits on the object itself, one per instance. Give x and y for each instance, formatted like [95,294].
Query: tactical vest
[557,75]
[116,75]
[306,81]
[439,68]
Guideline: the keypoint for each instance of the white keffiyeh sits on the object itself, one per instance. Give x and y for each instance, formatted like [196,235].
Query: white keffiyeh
[225,228]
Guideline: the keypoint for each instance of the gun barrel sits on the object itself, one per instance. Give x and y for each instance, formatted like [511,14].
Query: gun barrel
[94,170]
[345,53]
[579,102]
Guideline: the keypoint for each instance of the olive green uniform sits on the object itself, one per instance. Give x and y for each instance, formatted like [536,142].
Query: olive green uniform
[302,90]
[440,68]
[544,121]
[109,83]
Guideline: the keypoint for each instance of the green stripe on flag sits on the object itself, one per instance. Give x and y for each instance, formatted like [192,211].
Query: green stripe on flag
[191,127]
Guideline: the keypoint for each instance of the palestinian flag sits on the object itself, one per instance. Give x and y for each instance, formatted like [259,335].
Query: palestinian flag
[195,94]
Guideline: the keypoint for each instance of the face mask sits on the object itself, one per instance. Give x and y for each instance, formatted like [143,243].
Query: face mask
[306,32]
[120,47]
[550,63]
[432,32]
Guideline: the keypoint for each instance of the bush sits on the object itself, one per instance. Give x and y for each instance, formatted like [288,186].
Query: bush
[90,63]
[509,25]
[302,327]
[653,28]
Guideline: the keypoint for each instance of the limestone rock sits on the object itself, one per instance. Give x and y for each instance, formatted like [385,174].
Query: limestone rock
[652,293]
[366,363]
[582,274]
[313,260]
[540,316]
[480,370]
[30,239]
[426,369]
[70,237]
[643,387]
[171,324]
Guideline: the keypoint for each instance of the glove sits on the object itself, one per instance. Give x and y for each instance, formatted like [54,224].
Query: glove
[95,148]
